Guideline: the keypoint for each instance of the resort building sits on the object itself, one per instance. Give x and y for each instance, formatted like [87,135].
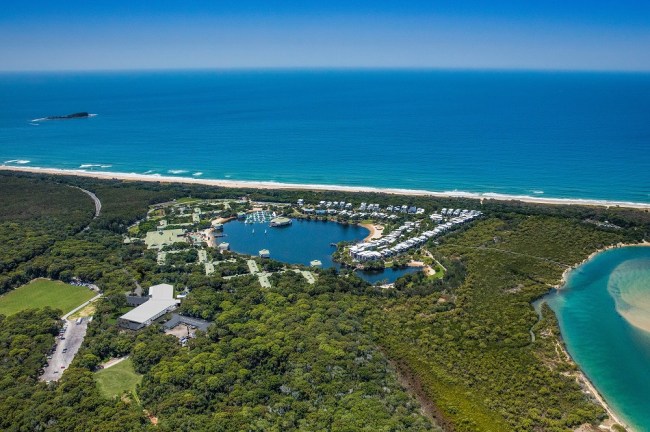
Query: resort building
[280,222]
[161,300]
[408,238]
[177,319]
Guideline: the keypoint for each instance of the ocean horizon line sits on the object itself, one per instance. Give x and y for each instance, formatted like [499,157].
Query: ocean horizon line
[332,69]
[270,184]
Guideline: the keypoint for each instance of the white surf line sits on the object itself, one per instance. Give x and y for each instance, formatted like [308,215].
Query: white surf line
[272,185]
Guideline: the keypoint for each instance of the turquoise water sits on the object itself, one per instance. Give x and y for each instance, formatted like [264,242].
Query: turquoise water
[566,135]
[613,353]
[301,242]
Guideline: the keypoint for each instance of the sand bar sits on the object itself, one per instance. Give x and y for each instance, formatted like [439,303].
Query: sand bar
[320,187]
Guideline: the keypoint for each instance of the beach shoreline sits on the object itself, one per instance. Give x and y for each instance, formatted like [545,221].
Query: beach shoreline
[566,272]
[374,233]
[251,184]
[580,375]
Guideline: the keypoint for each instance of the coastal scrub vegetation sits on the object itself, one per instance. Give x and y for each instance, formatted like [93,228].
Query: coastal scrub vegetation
[338,354]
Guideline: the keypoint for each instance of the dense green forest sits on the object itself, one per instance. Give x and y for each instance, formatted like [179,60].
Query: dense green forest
[334,355]
[35,214]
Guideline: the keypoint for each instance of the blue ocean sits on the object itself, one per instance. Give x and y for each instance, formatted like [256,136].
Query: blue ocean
[541,134]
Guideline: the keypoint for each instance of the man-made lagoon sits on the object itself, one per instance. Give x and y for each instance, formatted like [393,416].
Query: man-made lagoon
[301,242]
[601,312]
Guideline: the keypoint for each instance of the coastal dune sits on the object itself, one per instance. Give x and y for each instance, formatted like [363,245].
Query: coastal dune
[322,187]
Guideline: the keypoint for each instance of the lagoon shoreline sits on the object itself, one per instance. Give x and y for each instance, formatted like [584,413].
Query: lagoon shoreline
[252,184]
[566,272]
[580,375]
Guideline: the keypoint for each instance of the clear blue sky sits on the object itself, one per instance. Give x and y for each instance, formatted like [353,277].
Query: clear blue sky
[163,34]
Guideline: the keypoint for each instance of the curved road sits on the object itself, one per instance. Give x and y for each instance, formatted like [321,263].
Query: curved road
[98,203]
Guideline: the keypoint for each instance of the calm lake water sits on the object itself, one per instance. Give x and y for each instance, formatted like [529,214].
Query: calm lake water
[301,242]
[614,354]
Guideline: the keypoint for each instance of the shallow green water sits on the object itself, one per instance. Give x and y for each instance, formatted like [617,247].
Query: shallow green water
[597,309]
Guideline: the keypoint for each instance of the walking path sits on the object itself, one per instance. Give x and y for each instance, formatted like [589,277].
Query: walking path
[81,306]
[516,253]
[113,362]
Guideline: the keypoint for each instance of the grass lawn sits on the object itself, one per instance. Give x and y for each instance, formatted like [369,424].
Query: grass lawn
[42,292]
[186,200]
[440,272]
[117,379]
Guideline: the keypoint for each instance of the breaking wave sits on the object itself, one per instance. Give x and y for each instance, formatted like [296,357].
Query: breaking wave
[94,166]
[17,161]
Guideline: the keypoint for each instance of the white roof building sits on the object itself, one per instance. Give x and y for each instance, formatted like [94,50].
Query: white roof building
[161,300]
[161,292]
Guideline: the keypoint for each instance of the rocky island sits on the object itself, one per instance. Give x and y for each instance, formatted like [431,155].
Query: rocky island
[69,116]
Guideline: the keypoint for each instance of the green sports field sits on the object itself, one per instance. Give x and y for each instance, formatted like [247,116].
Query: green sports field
[117,379]
[42,292]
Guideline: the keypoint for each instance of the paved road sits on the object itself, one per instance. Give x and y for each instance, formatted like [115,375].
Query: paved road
[98,203]
[252,266]
[264,279]
[309,276]
[74,336]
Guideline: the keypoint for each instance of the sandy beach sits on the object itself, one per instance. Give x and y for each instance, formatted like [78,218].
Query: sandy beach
[376,231]
[318,187]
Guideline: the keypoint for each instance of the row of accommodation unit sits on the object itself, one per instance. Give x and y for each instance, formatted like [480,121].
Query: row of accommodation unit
[452,212]
[349,213]
[328,204]
[363,207]
[352,214]
[449,213]
[387,246]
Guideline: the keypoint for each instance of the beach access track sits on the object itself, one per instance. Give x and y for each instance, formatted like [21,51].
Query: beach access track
[98,203]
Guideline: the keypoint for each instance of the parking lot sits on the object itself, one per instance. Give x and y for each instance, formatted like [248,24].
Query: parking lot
[73,337]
